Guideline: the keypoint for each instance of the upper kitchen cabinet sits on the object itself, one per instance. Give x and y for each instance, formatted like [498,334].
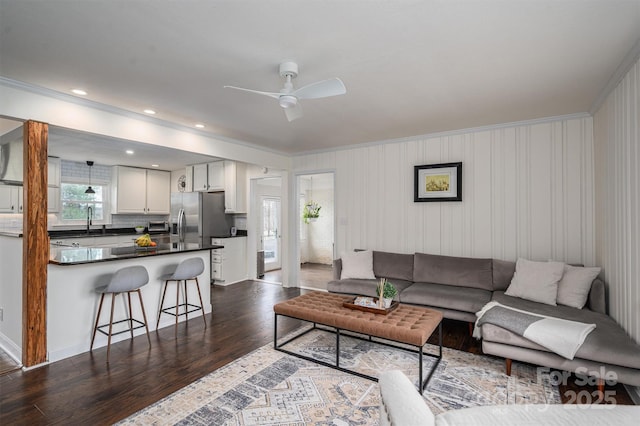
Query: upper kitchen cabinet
[215,179]
[208,176]
[235,187]
[141,191]
[158,192]
[200,177]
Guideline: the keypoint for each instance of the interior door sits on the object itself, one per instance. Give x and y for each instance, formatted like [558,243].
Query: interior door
[271,241]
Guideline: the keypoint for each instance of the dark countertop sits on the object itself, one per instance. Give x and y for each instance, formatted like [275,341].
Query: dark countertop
[83,255]
[98,232]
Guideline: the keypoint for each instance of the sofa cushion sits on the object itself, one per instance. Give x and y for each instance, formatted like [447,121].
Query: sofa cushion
[503,271]
[393,266]
[574,287]
[362,287]
[607,343]
[358,265]
[536,281]
[455,271]
[446,296]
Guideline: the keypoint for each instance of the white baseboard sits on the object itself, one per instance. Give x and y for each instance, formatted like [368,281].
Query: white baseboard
[13,350]
[314,289]
[634,393]
[101,339]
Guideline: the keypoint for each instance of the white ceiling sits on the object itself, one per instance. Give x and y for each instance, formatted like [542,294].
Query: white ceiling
[410,67]
[79,146]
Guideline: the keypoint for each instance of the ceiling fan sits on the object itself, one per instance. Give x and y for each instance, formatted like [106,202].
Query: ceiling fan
[288,97]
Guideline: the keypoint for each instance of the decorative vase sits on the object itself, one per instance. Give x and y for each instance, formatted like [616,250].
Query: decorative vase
[387,302]
[312,219]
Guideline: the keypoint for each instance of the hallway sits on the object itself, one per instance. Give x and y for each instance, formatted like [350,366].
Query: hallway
[313,276]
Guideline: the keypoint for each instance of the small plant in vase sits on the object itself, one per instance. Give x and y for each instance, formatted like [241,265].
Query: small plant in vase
[311,212]
[386,292]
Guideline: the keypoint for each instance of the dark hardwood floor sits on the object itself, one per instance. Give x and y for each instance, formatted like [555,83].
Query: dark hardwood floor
[85,390]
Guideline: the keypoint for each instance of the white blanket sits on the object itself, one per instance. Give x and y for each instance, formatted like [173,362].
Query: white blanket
[561,336]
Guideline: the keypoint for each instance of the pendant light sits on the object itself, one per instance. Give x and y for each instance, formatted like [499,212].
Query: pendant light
[89,189]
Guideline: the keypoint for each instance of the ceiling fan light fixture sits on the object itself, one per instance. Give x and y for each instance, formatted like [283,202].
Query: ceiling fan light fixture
[288,101]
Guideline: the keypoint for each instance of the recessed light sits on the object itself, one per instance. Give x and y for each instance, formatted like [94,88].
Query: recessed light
[200,126]
[130,152]
[149,111]
[79,92]
[155,165]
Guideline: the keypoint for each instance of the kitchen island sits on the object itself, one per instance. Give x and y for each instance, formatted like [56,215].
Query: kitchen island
[75,272]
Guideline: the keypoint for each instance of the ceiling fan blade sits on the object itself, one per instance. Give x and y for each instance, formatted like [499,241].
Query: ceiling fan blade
[270,94]
[293,112]
[321,89]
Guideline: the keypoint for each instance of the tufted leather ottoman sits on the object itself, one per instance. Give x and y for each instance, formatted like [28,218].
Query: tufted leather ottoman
[411,325]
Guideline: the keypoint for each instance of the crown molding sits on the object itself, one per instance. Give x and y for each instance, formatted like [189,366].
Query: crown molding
[449,133]
[627,63]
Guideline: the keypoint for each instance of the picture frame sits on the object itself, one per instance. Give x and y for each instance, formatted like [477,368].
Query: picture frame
[438,182]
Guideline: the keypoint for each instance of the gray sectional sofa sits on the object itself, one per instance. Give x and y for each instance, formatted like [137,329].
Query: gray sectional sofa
[459,287]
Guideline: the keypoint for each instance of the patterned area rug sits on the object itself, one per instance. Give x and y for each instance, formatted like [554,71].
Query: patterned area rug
[267,387]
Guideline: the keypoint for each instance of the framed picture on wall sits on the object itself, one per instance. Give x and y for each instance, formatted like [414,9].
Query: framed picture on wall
[438,182]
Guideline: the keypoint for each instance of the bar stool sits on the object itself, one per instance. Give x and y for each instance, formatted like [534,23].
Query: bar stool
[187,270]
[126,280]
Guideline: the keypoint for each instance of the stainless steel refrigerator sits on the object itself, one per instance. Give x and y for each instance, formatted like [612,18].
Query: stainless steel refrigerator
[198,216]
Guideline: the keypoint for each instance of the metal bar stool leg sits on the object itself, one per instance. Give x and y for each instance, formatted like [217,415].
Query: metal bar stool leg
[177,305]
[95,329]
[201,304]
[130,314]
[144,316]
[161,305]
[186,301]
[113,302]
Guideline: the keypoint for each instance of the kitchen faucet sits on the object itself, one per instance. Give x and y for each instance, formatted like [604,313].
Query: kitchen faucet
[89,217]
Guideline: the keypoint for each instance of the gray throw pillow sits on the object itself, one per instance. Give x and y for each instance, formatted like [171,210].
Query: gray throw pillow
[574,287]
[536,281]
[358,265]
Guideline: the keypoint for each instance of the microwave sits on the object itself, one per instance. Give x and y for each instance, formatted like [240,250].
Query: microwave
[158,226]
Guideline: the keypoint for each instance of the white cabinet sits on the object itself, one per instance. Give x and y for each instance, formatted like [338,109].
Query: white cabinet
[200,182]
[158,192]
[208,176]
[229,264]
[11,200]
[235,187]
[141,190]
[215,176]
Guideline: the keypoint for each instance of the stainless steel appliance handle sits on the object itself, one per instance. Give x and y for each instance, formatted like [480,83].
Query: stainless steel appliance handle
[181,225]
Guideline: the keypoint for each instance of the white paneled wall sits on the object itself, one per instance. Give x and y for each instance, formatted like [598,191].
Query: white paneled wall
[617,136]
[527,192]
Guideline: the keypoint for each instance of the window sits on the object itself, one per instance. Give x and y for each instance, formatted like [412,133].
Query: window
[75,202]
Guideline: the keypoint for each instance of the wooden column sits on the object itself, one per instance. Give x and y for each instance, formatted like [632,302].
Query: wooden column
[35,244]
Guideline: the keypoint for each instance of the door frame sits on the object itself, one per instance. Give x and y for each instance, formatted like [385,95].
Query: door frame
[294,211]
[279,228]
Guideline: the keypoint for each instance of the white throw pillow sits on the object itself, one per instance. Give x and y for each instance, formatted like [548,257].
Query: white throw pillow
[358,264]
[536,281]
[574,287]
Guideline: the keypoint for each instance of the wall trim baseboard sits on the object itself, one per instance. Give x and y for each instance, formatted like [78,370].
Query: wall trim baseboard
[13,350]
[634,393]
